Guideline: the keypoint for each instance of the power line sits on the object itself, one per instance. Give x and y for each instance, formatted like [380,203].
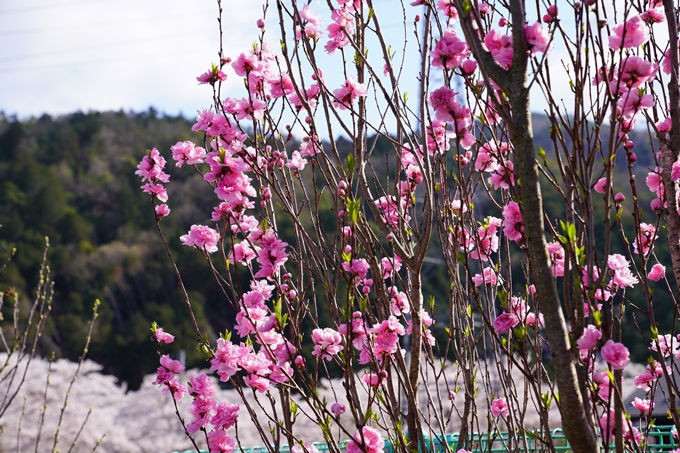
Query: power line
[116,61]
[93,47]
[98,25]
[42,7]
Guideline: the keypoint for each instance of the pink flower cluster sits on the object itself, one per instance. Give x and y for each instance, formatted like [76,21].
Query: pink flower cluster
[513,225]
[327,343]
[151,169]
[450,51]
[622,277]
[449,110]
[165,377]
[366,440]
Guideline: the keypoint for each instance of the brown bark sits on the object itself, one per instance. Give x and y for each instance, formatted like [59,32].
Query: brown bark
[576,423]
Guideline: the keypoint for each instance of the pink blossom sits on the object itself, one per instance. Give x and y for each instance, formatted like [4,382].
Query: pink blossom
[632,102]
[657,272]
[487,277]
[643,405]
[447,7]
[174,366]
[219,441]
[373,379]
[367,440]
[280,86]
[246,64]
[339,29]
[151,168]
[588,340]
[163,337]
[226,415]
[449,51]
[337,409]
[513,225]
[388,207]
[616,354]
[503,323]
[654,182]
[665,126]
[644,380]
[296,162]
[632,33]
[601,185]
[503,176]
[201,385]
[499,407]
[203,237]
[390,266]
[622,275]
[633,73]
[312,24]
[162,210]
[667,345]
[227,357]
[156,190]
[348,93]
[327,343]
[187,152]
[272,255]
[646,236]
[537,37]
[447,109]
[212,76]
[500,47]
[556,252]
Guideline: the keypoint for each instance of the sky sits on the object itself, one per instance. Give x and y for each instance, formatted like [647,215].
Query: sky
[60,56]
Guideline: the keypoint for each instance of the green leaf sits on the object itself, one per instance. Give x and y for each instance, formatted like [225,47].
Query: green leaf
[353,210]
[619,212]
[546,398]
[350,162]
[597,318]
[541,153]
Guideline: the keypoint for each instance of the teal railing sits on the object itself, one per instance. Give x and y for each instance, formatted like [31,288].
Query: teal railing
[660,439]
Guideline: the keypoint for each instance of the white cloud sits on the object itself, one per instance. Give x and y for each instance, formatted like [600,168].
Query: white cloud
[67,55]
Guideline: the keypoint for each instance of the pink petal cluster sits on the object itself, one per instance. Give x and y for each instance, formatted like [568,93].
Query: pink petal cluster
[163,337]
[645,237]
[500,47]
[505,322]
[487,277]
[366,440]
[657,272]
[187,152]
[151,169]
[615,354]
[327,343]
[202,237]
[632,33]
[499,407]
[622,276]
[591,335]
[486,240]
[450,51]
[513,225]
[537,38]
[347,94]
[212,76]
[449,110]
[340,29]
[165,378]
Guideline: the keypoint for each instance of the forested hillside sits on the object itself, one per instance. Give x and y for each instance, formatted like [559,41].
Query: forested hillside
[73,179]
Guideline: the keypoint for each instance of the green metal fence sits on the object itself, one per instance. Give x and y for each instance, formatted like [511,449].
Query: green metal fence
[660,439]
